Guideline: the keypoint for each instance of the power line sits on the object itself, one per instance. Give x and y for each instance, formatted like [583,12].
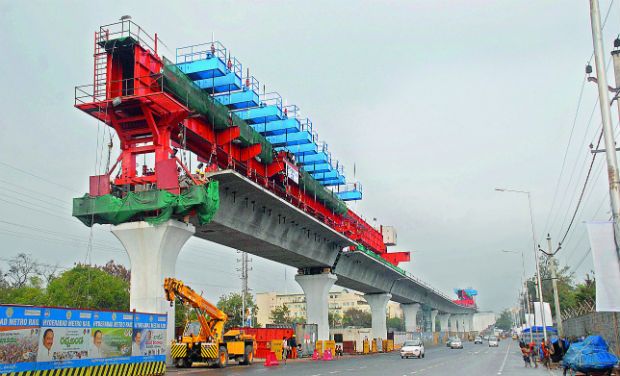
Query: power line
[585,184]
[37,176]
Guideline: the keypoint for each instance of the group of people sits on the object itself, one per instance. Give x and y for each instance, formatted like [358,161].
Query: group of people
[543,352]
[288,344]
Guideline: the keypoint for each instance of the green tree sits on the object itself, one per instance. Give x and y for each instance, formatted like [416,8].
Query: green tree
[232,305]
[357,317]
[334,319]
[29,293]
[504,321]
[396,323]
[88,287]
[281,315]
[586,291]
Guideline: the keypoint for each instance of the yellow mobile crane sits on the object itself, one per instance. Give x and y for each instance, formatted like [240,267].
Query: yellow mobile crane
[203,340]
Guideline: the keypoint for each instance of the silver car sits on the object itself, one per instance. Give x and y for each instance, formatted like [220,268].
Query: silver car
[493,341]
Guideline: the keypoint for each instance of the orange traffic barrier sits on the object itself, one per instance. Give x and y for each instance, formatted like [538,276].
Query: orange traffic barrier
[271,360]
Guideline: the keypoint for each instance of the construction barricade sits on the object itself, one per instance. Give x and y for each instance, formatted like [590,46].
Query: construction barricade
[61,341]
[276,347]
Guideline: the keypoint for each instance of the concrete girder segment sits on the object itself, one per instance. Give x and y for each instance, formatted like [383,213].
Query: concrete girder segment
[254,220]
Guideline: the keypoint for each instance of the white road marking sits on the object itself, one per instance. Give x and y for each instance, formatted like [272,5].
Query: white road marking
[505,358]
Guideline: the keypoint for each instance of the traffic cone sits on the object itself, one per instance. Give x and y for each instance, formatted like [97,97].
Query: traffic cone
[271,360]
[327,355]
[315,355]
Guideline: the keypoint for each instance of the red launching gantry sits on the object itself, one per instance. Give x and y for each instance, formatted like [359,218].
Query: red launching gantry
[202,104]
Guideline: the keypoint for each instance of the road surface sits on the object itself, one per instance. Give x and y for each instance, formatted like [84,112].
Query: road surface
[482,360]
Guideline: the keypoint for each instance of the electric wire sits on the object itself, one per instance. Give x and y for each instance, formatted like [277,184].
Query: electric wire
[585,184]
[575,117]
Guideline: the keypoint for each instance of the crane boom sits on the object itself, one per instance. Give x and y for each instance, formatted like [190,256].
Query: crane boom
[209,328]
[210,344]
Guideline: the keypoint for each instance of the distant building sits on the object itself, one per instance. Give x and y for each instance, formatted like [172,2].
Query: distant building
[482,320]
[339,302]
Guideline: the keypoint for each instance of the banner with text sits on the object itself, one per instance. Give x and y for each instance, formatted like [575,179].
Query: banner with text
[19,338]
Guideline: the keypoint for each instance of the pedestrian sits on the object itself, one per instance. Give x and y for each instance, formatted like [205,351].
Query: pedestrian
[533,353]
[525,352]
[284,349]
[544,353]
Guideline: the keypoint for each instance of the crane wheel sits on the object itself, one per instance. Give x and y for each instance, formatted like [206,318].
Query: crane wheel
[222,361]
[248,356]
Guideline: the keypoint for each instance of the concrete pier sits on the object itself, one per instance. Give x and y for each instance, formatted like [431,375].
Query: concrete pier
[411,316]
[153,252]
[316,288]
[378,307]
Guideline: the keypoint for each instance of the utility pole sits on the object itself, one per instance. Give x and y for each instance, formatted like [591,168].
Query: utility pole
[554,282]
[244,283]
[608,132]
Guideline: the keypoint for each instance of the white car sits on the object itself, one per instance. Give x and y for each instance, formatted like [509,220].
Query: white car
[456,344]
[493,341]
[412,348]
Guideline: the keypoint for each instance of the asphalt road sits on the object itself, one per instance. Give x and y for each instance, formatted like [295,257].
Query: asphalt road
[504,360]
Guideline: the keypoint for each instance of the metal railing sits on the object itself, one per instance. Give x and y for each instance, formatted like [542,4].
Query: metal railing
[271,99]
[128,28]
[130,87]
[291,111]
[201,51]
[405,273]
[251,83]
[350,187]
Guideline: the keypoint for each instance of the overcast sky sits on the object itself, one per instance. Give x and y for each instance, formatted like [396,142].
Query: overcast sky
[435,102]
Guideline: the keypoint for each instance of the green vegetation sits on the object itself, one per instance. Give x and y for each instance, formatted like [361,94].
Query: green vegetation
[396,323]
[571,294]
[357,317]
[504,321]
[231,304]
[83,286]
[281,315]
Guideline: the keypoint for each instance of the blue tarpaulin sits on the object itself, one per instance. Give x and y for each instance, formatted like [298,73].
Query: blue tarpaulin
[539,329]
[590,355]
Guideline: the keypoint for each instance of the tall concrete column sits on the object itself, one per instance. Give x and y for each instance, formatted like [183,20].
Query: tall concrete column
[153,252]
[461,325]
[378,307]
[411,316]
[467,323]
[316,289]
[443,322]
[433,319]
[454,323]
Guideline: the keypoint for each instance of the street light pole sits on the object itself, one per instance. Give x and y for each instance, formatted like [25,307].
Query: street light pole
[526,298]
[536,260]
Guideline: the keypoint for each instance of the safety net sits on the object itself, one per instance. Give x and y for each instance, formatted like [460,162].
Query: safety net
[314,189]
[188,93]
[377,257]
[153,206]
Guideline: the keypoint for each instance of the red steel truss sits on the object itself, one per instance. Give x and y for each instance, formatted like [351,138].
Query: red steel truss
[131,99]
